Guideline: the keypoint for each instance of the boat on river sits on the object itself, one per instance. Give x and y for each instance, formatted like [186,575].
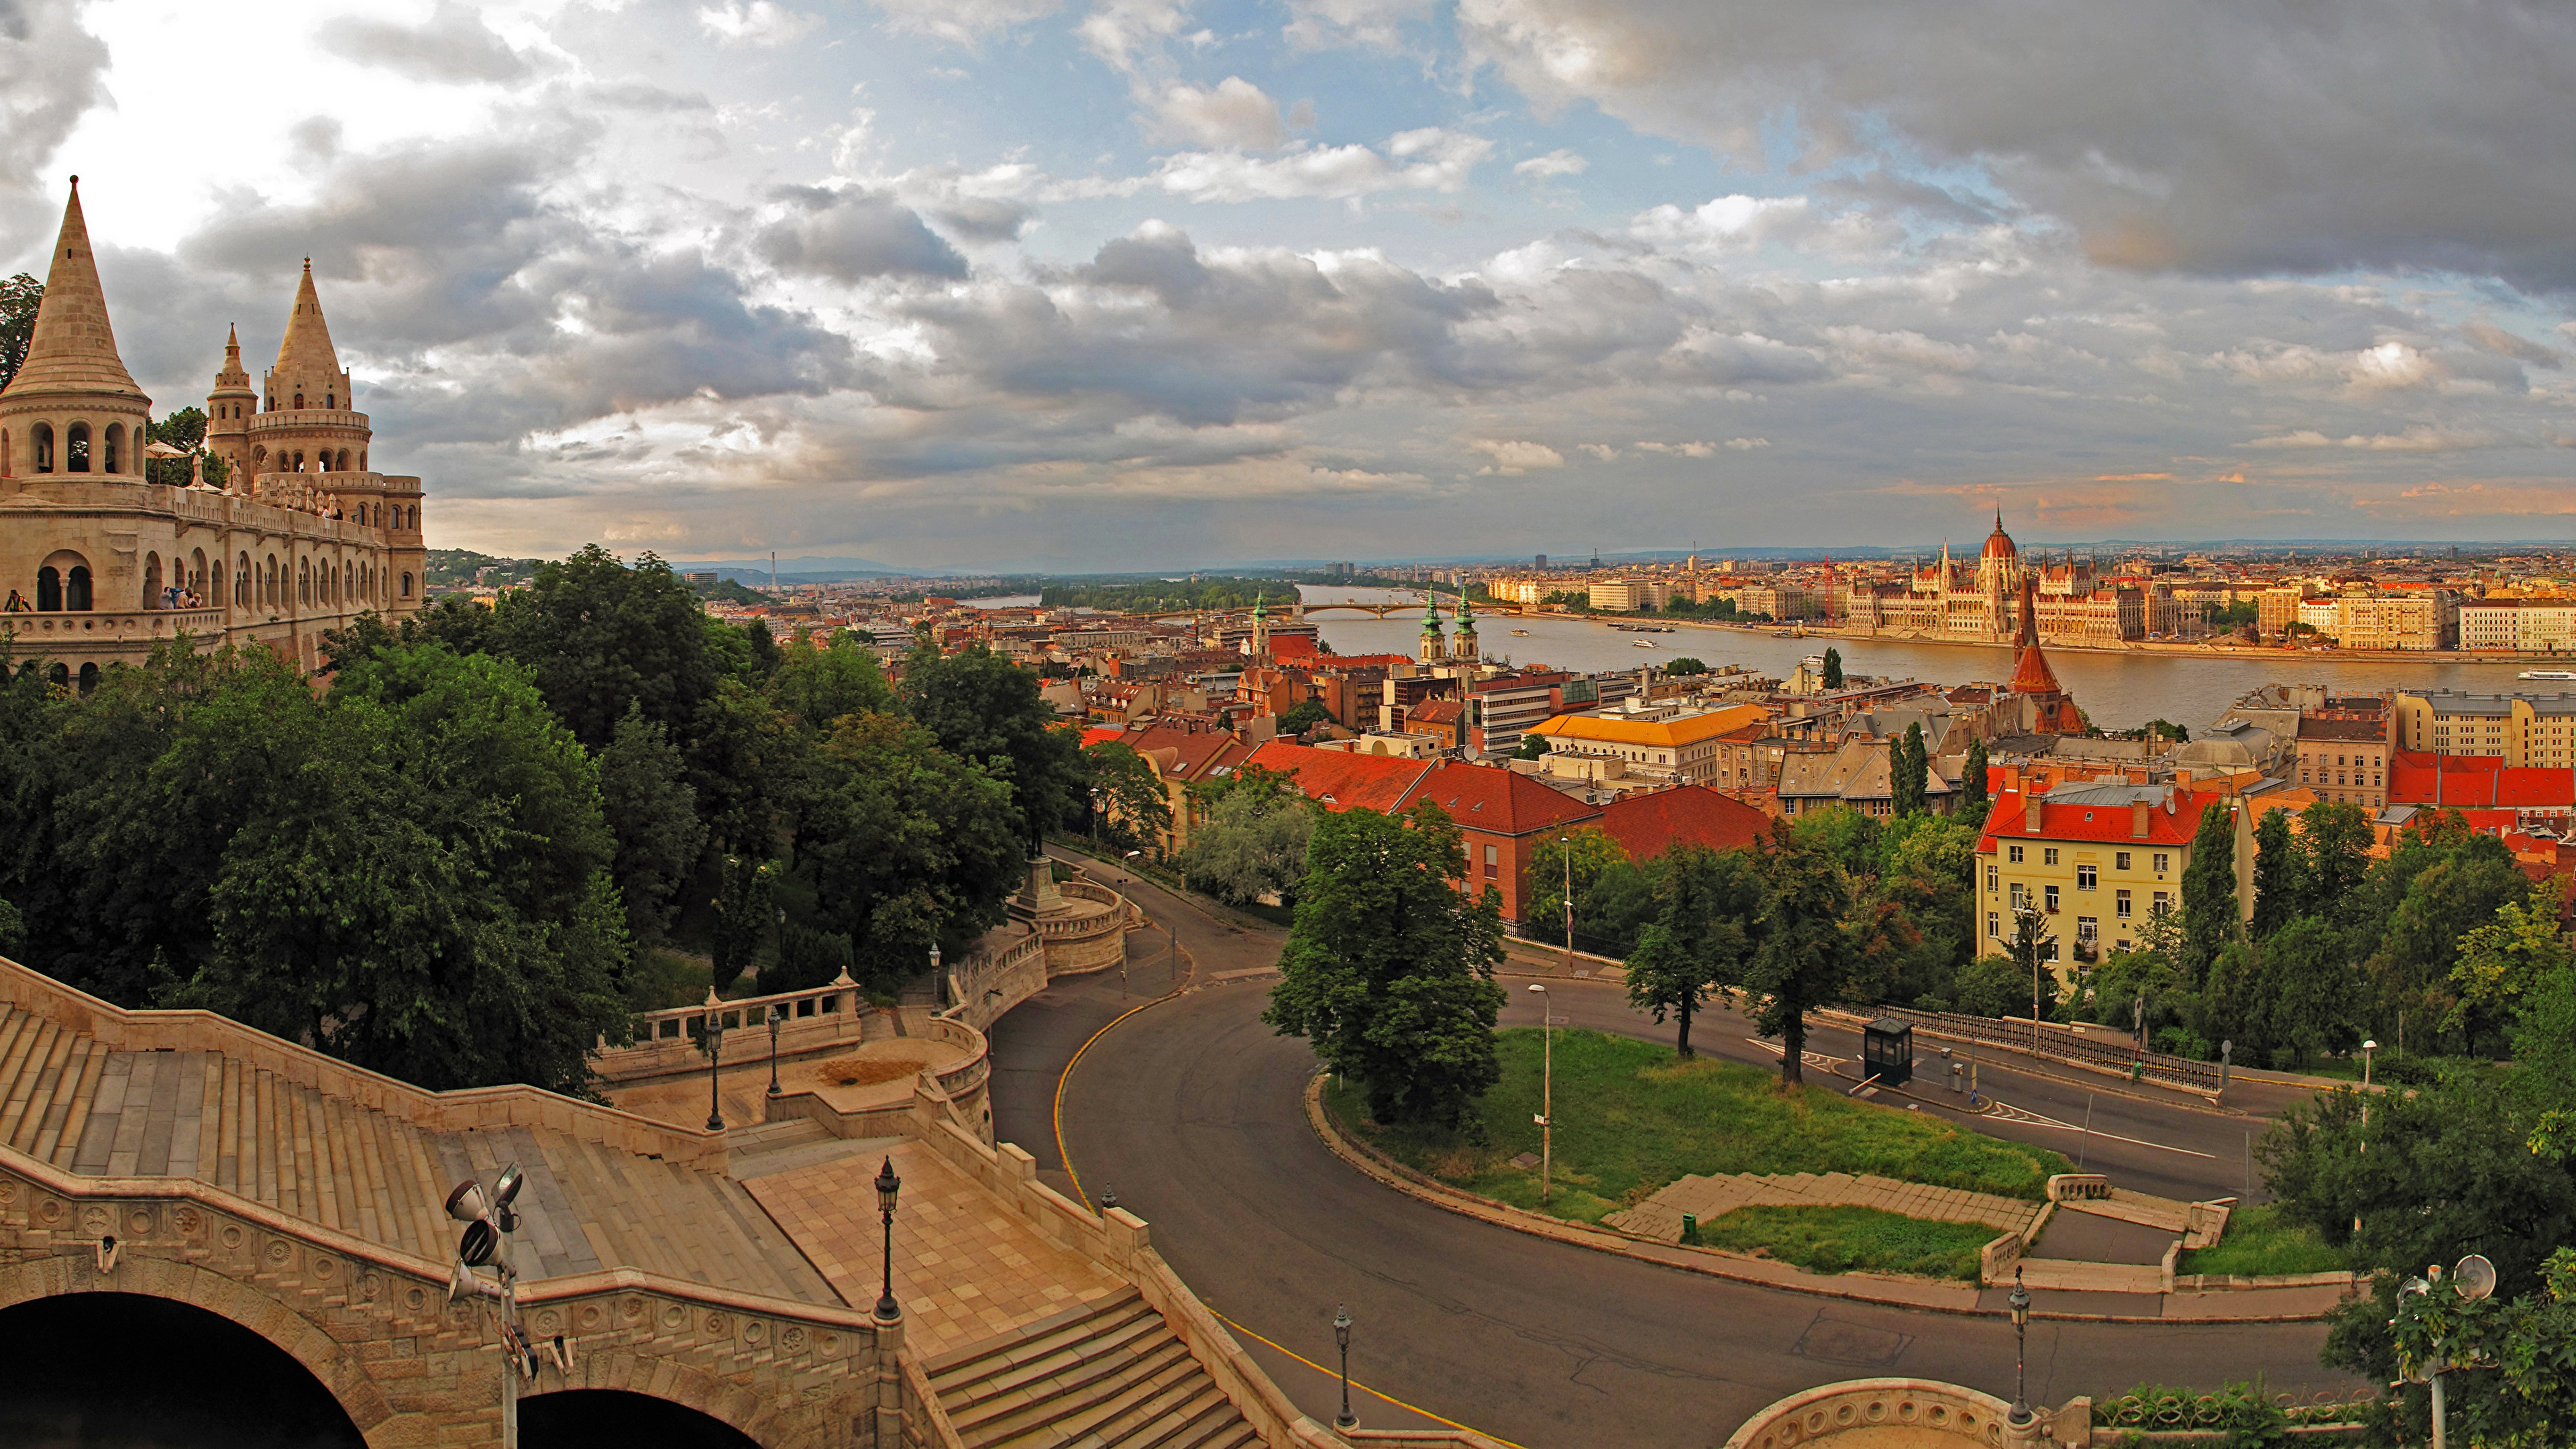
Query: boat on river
[1524,633]
[2557,674]
[1645,643]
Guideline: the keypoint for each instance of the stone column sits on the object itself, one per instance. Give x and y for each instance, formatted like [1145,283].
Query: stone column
[890,1406]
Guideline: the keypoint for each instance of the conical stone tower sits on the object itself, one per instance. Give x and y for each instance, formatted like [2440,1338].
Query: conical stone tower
[73,412]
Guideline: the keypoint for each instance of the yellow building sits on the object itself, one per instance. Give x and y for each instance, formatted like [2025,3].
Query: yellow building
[2531,731]
[1685,745]
[2098,861]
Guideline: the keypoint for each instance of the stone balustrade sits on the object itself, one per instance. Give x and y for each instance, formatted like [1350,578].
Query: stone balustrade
[666,1041]
[91,627]
[1897,1411]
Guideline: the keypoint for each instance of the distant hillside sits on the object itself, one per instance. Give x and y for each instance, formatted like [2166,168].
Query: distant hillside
[458,568]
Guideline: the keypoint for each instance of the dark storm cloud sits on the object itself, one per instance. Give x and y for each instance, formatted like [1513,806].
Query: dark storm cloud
[850,236]
[2212,136]
[453,45]
[49,75]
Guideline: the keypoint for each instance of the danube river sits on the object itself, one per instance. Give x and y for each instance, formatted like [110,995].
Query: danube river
[2116,691]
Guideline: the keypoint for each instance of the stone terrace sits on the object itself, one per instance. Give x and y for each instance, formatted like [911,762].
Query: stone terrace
[1709,1198]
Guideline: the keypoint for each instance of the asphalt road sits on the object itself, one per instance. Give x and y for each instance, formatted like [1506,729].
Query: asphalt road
[1189,1110]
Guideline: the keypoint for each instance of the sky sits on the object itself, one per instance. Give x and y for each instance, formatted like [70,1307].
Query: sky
[1143,284]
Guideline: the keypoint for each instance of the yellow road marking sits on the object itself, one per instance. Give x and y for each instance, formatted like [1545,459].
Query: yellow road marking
[1363,1388]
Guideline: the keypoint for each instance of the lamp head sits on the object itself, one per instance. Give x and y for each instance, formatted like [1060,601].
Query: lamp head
[1541,990]
[474,1249]
[887,1186]
[1341,1326]
[2019,1301]
[2370,1046]
[466,1204]
[506,1191]
[934,955]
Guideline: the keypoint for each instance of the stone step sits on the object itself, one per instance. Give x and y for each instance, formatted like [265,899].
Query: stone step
[768,1136]
[1106,1351]
[1029,1341]
[1085,1406]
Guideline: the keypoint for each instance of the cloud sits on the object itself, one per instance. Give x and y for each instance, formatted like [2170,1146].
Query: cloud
[1233,113]
[1515,456]
[1555,163]
[1316,24]
[2206,136]
[453,45]
[982,218]
[763,23]
[2421,438]
[850,236]
[1430,159]
[1736,221]
[1121,31]
[2487,335]
[50,72]
[962,22]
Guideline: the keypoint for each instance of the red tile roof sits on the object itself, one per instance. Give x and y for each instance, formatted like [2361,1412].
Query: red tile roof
[1179,753]
[1293,646]
[2171,823]
[1102,734]
[2475,781]
[1341,780]
[1647,825]
[1500,802]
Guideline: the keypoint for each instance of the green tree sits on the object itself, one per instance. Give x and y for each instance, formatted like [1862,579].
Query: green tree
[1800,958]
[1833,668]
[1253,843]
[746,896]
[1685,666]
[2280,874]
[2339,841]
[19,298]
[1389,969]
[1585,854]
[1705,908]
[2210,917]
[1909,773]
[644,794]
[985,708]
[814,686]
[1302,716]
[2521,1393]
[1129,805]
[1531,747]
[1842,833]
[2501,962]
[1972,782]
[600,637]
[906,844]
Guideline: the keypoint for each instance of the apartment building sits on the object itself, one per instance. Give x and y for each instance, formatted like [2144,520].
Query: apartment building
[2098,860]
[1684,745]
[2530,731]
[2534,625]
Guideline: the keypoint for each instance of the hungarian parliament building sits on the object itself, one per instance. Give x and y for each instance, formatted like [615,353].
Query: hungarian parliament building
[1980,602]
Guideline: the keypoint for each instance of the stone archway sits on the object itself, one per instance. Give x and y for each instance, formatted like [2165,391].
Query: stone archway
[738,1407]
[597,1416]
[339,1371]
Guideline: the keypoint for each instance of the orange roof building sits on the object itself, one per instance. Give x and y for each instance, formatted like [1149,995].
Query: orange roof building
[2051,711]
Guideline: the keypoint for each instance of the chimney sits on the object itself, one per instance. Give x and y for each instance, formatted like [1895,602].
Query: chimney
[2030,813]
[2138,820]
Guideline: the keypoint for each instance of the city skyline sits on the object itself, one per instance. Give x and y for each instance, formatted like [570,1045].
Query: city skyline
[1135,285]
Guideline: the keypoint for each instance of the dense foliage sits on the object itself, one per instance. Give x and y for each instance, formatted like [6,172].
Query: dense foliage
[443,867]
[1131,595]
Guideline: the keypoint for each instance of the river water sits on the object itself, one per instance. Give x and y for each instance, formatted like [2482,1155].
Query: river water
[2117,691]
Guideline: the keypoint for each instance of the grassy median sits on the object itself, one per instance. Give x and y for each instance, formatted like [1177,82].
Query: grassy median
[1631,1118]
[2259,1243]
[1851,1239]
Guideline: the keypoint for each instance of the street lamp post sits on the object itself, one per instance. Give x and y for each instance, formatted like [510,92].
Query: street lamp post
[1565,847]
[489,1222]
[715,1055]
[1547,1089]
[2367,1048]
[938,982]
[2019,1300]
[2138,1020]
[887,1186]
[1347,1420]
[772,1009]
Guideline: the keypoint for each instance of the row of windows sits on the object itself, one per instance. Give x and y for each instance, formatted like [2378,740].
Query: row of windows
[76,454]
[64,584]
[324,461]
[330,402]
[2083,873]
[2087,928]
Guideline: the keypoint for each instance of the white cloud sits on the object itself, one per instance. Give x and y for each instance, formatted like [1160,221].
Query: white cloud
[1729,222]
[1746,445]
[1233,114]
[1314,24]
[1430,159]
[1868,348]
[2390,365]
[1514,456]
[1555,163]
[759,23]
[962,22]
[2421,438]
[1684,450]
[1121,31]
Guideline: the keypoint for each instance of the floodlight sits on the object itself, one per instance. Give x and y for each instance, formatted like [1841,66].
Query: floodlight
[474,1249]
[465,1204]
[508,1187]
[459,1282]
[2474,1278]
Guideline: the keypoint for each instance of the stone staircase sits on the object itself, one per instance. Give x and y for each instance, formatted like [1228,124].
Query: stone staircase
[78,1105]
[1109,1374]
[1710,1198]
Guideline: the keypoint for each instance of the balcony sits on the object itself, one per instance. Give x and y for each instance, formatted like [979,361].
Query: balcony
[94,629]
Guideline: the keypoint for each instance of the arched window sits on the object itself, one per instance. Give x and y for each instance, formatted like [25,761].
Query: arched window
[299,401]
[41,443]
[76,449]
[330,400]
[152,581]
[299,462]
[406,583]
[269,581]
[242,594]
[115,441]
[4,455]
[76,590]
[344,460]
[259,460]
[197,574]
[88,678]
[304,581]
[49,590]
[61,675]
[322,461]
[362,460]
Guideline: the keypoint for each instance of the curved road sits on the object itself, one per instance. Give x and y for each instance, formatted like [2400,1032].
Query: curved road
[1190,1111]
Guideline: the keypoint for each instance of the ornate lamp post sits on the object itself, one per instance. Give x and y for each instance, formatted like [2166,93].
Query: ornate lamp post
[2019,1299]
[1547,1089]
[773,1049]
[715,1054]
[887,1186]
[1342,1340]
[938,983]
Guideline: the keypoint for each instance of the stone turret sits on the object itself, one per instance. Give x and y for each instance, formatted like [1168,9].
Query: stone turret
[1462,643]
[73,408]
[228,411]
[309,423]
[1434,648]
